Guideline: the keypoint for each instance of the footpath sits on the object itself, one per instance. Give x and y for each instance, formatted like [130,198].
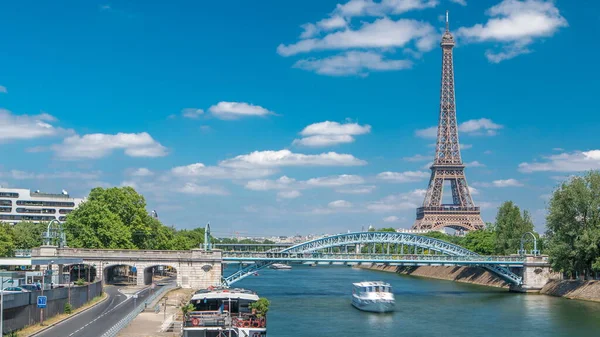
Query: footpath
[158,318]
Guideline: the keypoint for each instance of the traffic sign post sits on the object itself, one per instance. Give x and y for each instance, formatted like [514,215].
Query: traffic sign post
[41,301]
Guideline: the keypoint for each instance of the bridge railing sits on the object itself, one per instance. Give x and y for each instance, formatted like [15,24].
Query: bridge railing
[363,257]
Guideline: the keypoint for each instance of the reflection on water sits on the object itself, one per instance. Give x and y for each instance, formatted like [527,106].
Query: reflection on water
[315,301]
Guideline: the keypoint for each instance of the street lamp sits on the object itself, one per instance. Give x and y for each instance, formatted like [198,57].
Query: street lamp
[43,286]
[2,306]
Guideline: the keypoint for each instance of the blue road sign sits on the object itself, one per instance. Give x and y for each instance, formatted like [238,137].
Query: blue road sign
[41,301]
[23,267]
[133,269]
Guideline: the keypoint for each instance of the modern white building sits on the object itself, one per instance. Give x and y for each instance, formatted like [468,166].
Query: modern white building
[18,205]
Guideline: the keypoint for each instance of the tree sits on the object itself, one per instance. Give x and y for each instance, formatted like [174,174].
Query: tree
[130,207]
[573,225]
[480,241]
[7,240]
[93,225]
[509,228]
[28,234]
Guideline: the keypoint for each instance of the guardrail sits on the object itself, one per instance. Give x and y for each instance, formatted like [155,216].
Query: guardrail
[231,256]
[115,329]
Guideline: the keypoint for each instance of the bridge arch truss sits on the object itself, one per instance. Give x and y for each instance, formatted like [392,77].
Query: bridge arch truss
[365,238]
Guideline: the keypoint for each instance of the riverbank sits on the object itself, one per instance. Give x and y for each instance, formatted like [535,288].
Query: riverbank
[579,290]
[471,275]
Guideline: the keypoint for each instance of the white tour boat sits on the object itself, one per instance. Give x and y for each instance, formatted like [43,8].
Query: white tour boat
[224,312]
[374,296]
[280,266]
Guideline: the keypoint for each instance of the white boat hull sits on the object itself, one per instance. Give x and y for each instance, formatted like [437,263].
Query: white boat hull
[373,305]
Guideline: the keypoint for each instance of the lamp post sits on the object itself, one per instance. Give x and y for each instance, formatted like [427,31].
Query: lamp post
[2,306]
[43,286]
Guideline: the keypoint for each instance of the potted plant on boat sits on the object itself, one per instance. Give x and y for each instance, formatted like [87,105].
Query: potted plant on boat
[260,307]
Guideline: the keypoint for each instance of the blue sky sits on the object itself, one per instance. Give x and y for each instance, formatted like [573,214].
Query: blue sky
[295,117]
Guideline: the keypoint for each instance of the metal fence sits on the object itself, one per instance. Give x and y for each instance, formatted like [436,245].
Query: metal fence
[114,331]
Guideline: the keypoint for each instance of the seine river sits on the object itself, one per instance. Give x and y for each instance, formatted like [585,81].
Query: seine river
[315,301]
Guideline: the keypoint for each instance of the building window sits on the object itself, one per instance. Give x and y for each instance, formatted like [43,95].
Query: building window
[5,202]
[45,203]
[65,211]
[5,209]
[26,217]
[62,218]
[9,195]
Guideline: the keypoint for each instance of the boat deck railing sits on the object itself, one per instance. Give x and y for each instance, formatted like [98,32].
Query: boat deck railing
[223,319]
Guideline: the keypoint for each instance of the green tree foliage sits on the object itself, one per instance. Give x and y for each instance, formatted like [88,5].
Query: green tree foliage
[573,225]
[7,240]
[480,241]
[117,218]
[93,225]
[28,234]
[509,228]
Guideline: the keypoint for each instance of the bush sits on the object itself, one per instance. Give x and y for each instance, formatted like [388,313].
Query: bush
[79,282]
[68,308]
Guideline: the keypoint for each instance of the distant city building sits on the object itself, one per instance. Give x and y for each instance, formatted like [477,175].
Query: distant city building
[18,205]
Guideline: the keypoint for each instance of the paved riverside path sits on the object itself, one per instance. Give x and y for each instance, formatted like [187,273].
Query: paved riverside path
[99,319]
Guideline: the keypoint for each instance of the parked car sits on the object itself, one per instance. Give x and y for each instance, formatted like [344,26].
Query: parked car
[30,287]
[15,290]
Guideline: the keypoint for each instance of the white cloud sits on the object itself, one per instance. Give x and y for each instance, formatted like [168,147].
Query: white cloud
[382,33]
[266,184]
[403,177]
[142,172]
[323,140]
[17,127]
[235,110]
[417,158]
[327,24]
[335,181]
[465,146]
[335,128]
[501,183]
[292,194]
[391,218]
[473,190]
[3,89]
[192,113]
[23,175]
[330,133]
[474,163]
[474,127]
[382,8]
[516,25]
[398,202]
[193,188]
[357,190]
[460,2]
[287,158]
[340,204]
[479,127]
[98,145]
[285,182]
[577,161]
[352,63]
[199,170]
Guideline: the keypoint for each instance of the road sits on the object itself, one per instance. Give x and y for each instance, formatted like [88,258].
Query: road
[99,319]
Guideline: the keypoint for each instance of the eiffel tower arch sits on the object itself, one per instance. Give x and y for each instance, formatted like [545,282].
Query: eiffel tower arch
[447,165]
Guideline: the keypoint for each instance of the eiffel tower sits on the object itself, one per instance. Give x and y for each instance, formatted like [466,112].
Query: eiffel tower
[462,214]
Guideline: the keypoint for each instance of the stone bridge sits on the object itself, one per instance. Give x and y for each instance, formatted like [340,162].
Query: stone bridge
[196,268]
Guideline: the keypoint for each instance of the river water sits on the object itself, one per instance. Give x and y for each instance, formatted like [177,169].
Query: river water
[315,301]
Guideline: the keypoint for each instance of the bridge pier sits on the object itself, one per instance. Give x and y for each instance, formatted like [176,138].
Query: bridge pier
[536,272]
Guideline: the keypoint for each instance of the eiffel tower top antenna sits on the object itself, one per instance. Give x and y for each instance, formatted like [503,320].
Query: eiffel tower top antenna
[447,22]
